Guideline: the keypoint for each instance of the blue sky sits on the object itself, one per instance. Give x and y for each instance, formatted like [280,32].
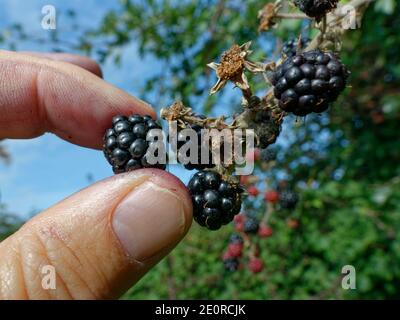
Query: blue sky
[46,169]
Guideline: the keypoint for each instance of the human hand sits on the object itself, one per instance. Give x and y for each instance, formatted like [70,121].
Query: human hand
[104,238]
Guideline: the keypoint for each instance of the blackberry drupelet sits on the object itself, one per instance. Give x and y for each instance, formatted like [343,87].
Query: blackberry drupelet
[125,144]
[215,201]
[289,48]
[308,82]
[316,8]
[288,199]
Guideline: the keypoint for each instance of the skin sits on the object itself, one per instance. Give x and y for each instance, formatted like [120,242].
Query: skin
[100,240]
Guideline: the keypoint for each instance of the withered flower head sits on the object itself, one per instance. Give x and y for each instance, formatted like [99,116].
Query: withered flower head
[232,66]
[266,16]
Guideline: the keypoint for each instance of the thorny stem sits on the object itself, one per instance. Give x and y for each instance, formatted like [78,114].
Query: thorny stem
[247,93]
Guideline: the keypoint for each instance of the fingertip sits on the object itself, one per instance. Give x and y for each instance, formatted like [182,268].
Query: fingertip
[153,217]
[169,182]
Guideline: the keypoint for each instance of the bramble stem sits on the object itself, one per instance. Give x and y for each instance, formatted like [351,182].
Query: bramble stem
[292,16]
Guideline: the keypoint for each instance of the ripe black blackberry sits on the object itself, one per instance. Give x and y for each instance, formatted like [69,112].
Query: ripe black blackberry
[290,47]
[251,226]
[316,8]
[231,264]
[308,82]
[215,201]
[288,199]
[126,144]
[200,143]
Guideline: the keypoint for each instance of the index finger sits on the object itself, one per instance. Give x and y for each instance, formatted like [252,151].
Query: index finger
[39,95]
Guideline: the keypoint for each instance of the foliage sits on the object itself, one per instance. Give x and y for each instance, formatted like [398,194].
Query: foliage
[9,222]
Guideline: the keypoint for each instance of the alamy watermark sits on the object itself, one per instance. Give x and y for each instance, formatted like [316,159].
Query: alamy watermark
[49,277]
[224,147]
[349,277]
[49,19]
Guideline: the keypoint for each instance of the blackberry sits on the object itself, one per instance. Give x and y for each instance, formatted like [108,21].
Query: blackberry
[289,48]
[308,82]
[266,128]
[215,201]
[269,154]
[288,199]
[236,238]
[316,8]
[126,144]
[256,265]
[235,250]
[251,225]
[231,264]
[186,140]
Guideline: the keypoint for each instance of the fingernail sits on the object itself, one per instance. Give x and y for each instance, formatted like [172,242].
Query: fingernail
[148,220]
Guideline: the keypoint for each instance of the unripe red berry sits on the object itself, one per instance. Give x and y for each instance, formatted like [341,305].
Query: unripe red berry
[244,180]
[253,191]
[239,226]
[227,255]
[271,196]
[265,231]
[239,218]
[235,250]
[256,265]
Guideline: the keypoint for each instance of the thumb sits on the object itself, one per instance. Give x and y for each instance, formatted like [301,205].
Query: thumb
[100,240]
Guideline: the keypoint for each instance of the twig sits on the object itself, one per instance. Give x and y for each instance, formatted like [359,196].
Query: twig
[291,16]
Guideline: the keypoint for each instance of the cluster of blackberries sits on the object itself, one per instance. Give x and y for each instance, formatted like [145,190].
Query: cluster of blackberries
[250,227]
[215,200]
[126,144]
[316,8]
[231,256]
[182,140]
[308,82]
[291,47]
